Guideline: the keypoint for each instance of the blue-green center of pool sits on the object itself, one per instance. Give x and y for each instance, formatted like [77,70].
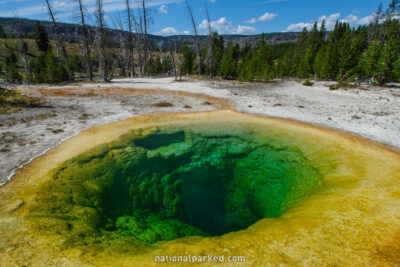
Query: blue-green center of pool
[166,183]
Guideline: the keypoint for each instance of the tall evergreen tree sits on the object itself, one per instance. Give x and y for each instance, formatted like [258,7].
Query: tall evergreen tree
[369,63]
[12,73]
[188,60]
[390,54]
[2,33]
[42,40]
[229,62]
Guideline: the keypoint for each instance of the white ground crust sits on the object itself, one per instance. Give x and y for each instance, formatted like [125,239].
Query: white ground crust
[370,112]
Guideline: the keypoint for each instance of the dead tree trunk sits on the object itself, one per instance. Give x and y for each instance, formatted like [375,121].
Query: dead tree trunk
[144,35]
[21,53]
[132,65]
[199,61]
[124,53]
[173,62]
[101,41]
[55,27]
[138,46]
[85,41]
[140,42]
[210,52]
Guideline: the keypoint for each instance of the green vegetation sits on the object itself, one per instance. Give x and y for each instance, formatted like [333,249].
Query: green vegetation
[3,34]
[370,52]
[176,182]
[12,73]
[334,87]
[308,83]
[11,100]
[42,40]
[347,55]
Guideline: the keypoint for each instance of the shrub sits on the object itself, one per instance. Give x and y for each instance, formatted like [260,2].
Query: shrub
[334,87]
[308,83]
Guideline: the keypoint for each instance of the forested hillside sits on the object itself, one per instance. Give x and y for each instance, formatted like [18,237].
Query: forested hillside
[44,54]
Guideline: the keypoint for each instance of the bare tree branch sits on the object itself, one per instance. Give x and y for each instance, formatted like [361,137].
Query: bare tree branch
[85,40]
[56,31]
[129,13]
[210,53]
[196,37]
[101,41]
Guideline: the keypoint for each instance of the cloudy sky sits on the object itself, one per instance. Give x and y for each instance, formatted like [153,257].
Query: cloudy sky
[169,17]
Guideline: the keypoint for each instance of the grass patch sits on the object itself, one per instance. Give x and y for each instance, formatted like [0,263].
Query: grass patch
[11,101]
[334,87]
[308,83]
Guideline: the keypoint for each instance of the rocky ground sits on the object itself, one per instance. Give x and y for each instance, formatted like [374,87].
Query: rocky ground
[371,112]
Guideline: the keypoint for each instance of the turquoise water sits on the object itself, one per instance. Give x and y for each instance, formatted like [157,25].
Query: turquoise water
[170,182]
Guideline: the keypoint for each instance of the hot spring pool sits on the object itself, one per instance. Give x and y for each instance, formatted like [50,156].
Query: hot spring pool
[219,182]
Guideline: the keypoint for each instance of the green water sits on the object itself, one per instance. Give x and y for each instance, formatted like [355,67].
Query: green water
[177,182]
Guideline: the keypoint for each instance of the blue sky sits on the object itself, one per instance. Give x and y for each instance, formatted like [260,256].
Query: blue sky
[228,16]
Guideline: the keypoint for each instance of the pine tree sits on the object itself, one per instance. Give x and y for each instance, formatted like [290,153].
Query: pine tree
[246,69]
[2,33]
[188,60]
[312,45]
[369,63]
[229,62]
[150,66]
[300,53]
[75,64]
[390,54]
[55,71]
[358,46]
[11,71]
[157,65]
[263,61]
[167,64]
[38,67]
[218,54]
[47,69]
[41,38]
[344,51]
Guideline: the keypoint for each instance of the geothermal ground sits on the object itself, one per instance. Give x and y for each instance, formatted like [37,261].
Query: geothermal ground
[371,112]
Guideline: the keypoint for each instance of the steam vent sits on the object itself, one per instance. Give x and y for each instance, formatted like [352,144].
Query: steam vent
[220,183]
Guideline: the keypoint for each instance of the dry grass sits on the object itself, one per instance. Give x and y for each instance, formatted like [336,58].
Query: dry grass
[11,100]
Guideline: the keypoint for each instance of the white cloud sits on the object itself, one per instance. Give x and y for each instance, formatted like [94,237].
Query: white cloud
[212,1]
[171,31]
[224,26]
[297,27]
[245,29]
[163,9]
[355,21]
[267,16]
[330,22]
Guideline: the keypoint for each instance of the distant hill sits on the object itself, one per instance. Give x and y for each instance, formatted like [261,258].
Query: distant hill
[14,26]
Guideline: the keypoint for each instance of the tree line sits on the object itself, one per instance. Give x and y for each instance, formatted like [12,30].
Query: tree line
[98,57]
[369,52]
